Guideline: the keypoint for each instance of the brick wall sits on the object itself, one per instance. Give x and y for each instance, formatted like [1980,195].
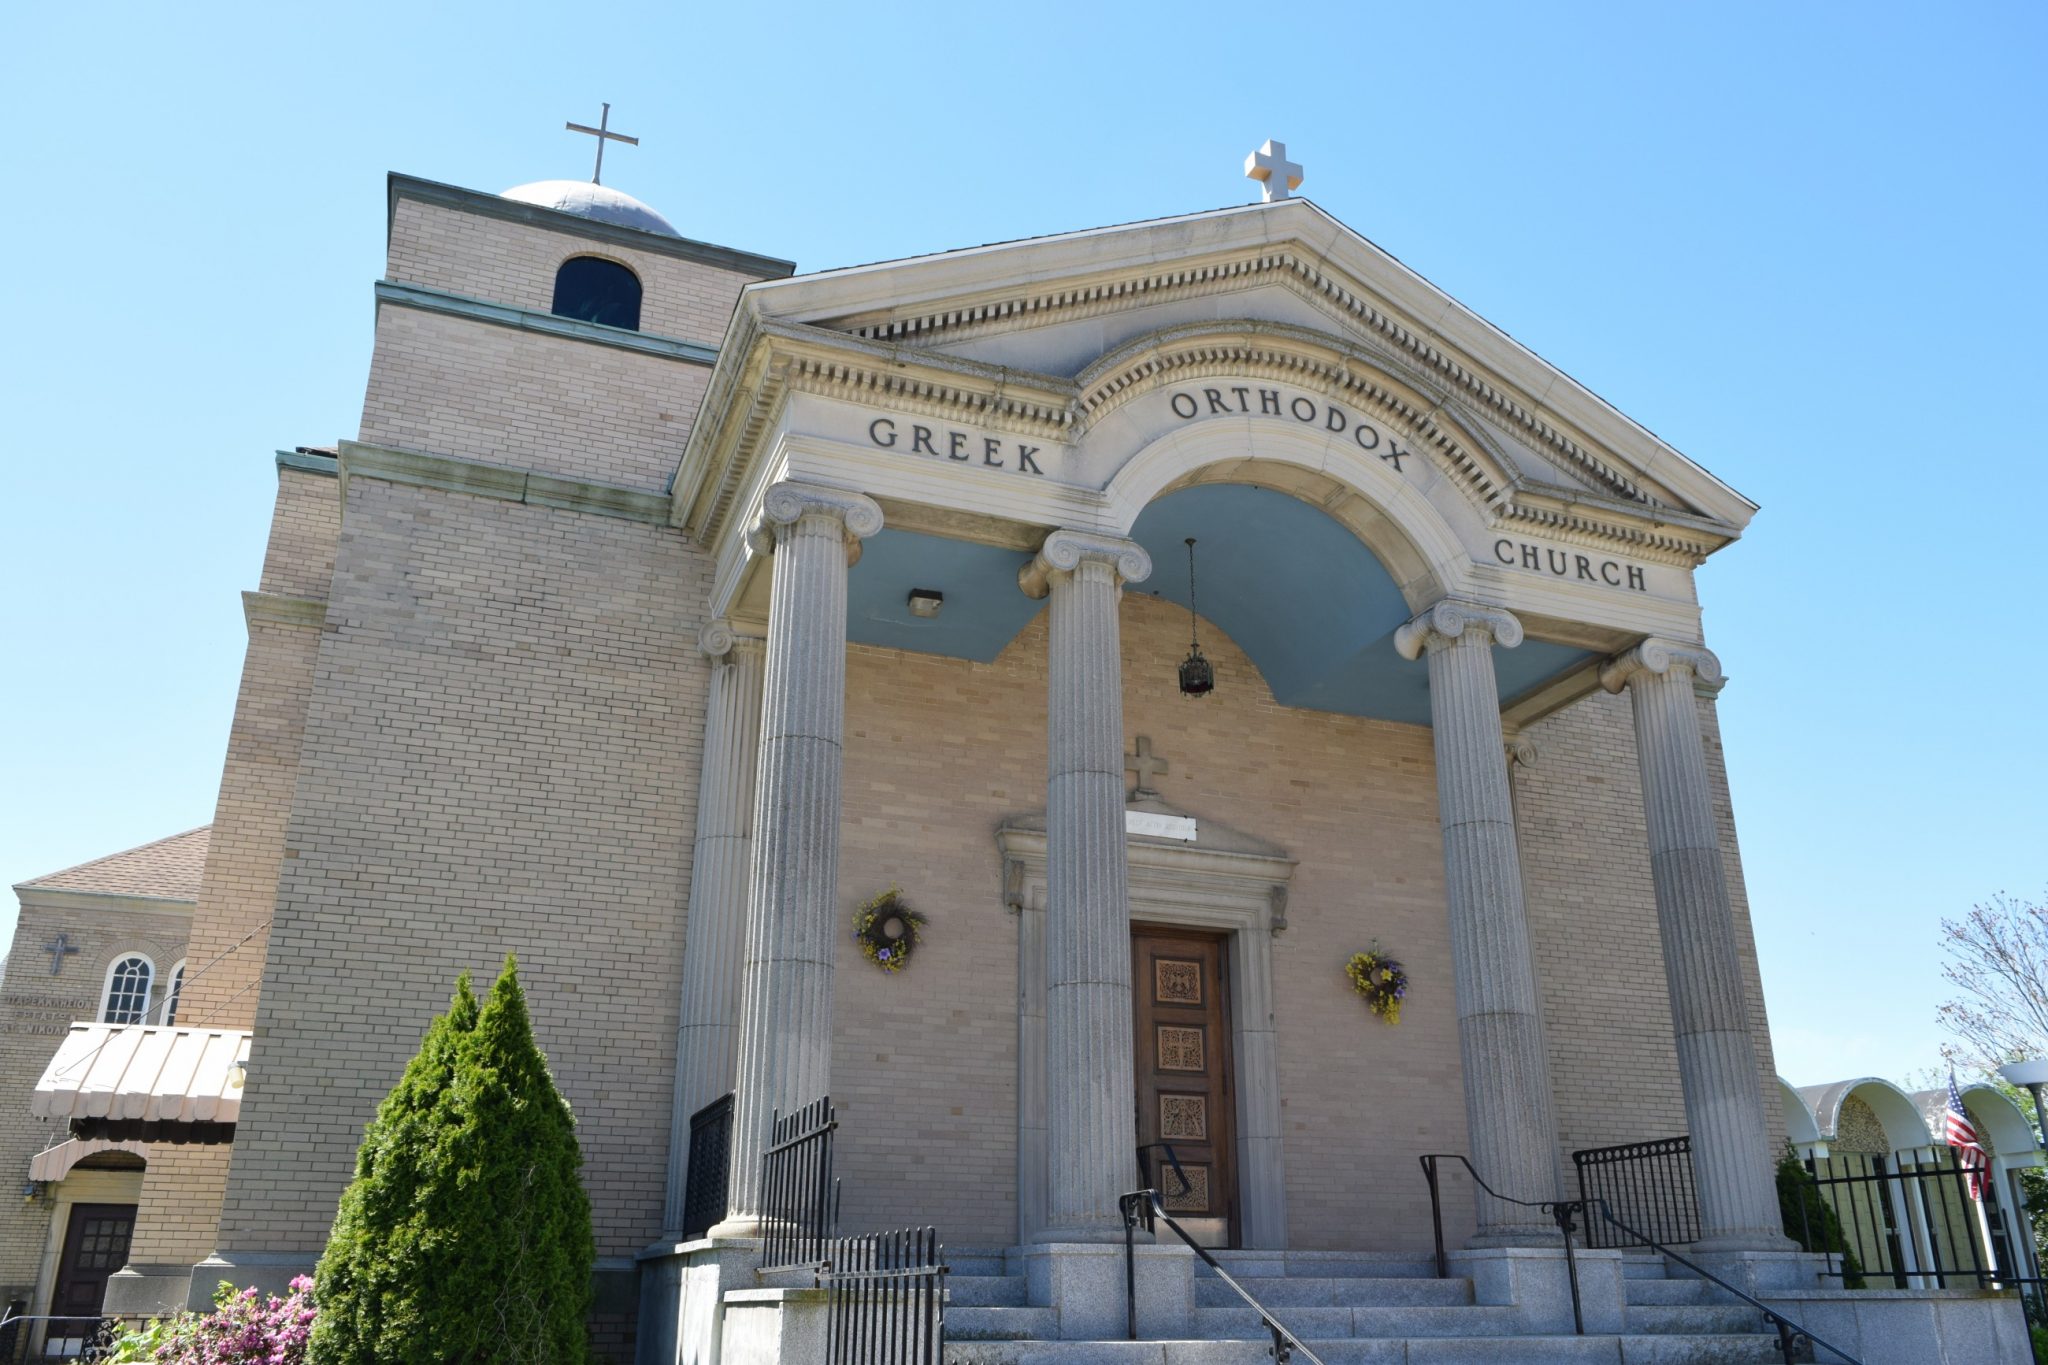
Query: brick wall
[500,754]
[515,263]
[36,1011]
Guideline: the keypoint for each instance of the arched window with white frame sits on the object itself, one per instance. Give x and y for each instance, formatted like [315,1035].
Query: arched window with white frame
[170,1010]
[128,983]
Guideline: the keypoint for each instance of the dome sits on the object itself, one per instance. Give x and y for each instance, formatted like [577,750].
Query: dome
[599,203]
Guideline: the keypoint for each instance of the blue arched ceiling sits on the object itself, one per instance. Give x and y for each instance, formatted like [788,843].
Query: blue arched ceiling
[1302,596]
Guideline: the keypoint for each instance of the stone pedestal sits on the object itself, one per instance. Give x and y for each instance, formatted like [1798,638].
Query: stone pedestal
[1733,1169]
[682,1295]
[1084,1284]
[785,1044]
[1536,1282]
[1090,1129]
[1512,1136]
[715,933]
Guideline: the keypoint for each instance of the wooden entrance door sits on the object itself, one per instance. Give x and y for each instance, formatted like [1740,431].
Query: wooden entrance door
[95,1246]
[1186,1097]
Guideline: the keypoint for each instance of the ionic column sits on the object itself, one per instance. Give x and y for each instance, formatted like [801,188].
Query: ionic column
[1717,1062]
[1510,1130]
[785,1044]
[1091,1133]
[715,932]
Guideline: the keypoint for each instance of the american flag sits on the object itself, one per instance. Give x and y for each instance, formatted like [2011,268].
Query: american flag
[1962,1135]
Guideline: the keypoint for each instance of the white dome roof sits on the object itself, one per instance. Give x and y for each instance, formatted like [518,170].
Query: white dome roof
[599,203]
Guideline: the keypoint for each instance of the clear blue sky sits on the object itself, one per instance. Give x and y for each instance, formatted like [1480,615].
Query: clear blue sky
[1800,242]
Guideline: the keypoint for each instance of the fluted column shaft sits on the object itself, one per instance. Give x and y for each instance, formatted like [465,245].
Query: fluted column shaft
[721,863]
[1508,1112]
[785,1044]
[1091,1133]
[1717,1062]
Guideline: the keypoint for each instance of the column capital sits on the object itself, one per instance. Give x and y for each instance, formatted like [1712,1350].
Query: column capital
[1446,622]
[790,502]
[721,637]
[1660,657]
[1066,551]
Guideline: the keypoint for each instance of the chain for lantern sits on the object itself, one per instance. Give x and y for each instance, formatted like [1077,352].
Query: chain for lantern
[1197,675]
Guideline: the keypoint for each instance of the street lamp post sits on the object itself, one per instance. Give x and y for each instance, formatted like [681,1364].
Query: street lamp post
[2033,1075]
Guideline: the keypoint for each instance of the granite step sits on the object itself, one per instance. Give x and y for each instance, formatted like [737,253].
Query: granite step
[1323,1264]
[1696,1319]
[1008,1323]
[1336,1323]
[986,1291]
[1349,1291]
[1748,1349]
[1648,1291]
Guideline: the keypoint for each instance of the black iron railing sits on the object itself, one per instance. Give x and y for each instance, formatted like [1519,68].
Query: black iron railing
[1143,1206]
[704,1187]
[1794,1342]
[888,1298]
[1913,1226]
[33,1340]
[1647,1183]
[799,1195]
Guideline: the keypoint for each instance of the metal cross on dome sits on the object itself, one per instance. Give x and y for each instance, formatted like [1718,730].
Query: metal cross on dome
[603,133]
[1271,168]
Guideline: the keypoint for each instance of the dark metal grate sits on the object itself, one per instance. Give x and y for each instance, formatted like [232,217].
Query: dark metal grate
[704,1190]
[1647,1185]
[888,1298]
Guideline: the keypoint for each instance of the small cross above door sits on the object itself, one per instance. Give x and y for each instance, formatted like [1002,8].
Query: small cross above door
[1147,765]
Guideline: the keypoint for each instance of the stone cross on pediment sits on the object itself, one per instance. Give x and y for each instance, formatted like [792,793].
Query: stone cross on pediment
[1271,168]
[1147,765]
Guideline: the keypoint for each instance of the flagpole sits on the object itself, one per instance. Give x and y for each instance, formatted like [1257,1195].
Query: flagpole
[1984,1226]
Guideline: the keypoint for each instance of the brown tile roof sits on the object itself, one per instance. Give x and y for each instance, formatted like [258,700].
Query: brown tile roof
[167,869]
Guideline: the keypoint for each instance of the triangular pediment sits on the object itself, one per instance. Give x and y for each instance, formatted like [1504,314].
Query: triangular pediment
[1048,332]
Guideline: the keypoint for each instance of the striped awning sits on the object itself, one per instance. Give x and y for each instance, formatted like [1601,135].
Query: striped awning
[54,1163]
[142,1083]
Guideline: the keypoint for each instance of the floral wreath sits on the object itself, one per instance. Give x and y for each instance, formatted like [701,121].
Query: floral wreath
[887,930]
[1381,980]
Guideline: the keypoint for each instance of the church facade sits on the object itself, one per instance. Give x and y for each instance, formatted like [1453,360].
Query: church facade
[668,608]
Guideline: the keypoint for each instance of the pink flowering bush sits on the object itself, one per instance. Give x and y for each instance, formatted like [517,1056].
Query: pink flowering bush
[243,1329]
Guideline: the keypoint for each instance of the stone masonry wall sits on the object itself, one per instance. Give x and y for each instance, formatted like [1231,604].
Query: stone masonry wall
[181,1192]
[500,755]
[36,1012]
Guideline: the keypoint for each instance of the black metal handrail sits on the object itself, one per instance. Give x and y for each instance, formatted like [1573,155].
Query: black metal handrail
[1285,1343]
[1791,1336]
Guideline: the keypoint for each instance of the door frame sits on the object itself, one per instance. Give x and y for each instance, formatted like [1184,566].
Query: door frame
[1225,883]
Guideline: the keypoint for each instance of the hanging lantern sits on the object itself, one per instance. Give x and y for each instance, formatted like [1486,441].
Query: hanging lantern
[1197,674]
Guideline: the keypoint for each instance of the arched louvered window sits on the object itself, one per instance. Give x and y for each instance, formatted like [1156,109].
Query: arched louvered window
[177,989]
[591,289]
[128,983]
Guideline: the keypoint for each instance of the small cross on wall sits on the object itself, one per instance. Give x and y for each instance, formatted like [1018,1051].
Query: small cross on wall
[1147,766]
[59,949]
[1271,168]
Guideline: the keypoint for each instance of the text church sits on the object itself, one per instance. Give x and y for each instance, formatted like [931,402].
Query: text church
[1183,705]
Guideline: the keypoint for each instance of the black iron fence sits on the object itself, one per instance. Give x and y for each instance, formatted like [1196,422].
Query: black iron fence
[36,1340]
[1648,1185]
[799,1195]
[888,1298]
[1910,1225]
[705,1180]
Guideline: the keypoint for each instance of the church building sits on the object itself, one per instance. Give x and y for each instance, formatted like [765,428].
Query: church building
[1187,704]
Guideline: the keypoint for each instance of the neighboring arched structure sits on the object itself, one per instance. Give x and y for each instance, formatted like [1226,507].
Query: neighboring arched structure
[1800,1128]
[1896,1113]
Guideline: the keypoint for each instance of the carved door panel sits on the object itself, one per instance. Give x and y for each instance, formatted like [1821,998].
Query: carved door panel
[1185,1095]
